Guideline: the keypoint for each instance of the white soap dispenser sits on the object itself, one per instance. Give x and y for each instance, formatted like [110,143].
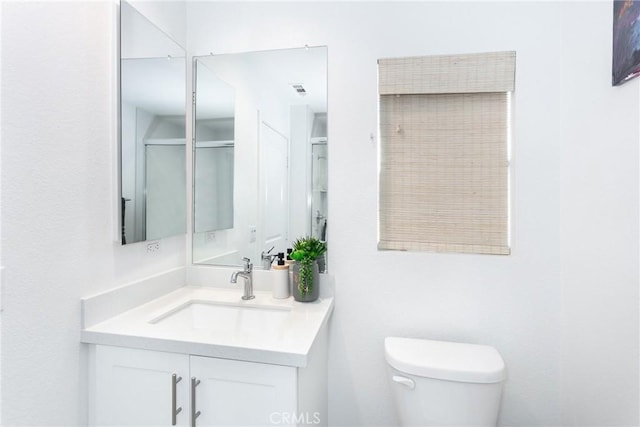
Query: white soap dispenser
[280,278]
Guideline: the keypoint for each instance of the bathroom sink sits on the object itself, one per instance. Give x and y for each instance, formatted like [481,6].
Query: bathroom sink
[213,322]
[223,316]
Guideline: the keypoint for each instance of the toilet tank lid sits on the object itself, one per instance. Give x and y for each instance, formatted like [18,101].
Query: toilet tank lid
[444,360]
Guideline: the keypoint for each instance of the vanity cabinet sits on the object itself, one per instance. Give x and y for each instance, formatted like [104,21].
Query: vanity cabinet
[234,393]
[133,387]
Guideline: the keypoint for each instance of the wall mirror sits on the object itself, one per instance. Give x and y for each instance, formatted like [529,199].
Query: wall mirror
[260,153]
[152,130]
[213,152]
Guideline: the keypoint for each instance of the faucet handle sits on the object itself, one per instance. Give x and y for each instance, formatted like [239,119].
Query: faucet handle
[265,255]
[247,265]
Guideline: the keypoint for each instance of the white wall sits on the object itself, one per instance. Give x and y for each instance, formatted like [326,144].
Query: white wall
[598,226]
[1,260]
[550,305]
[562,309]
[59,226]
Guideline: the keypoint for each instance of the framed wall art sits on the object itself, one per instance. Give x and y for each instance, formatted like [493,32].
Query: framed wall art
[626,41]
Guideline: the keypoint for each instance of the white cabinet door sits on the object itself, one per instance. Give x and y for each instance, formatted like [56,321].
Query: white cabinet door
[134,387]
[235,393]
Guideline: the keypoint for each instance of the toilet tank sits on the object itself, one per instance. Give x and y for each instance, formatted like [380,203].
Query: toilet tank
[439,383]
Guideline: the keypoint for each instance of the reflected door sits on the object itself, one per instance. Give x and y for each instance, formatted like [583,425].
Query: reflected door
[274,199]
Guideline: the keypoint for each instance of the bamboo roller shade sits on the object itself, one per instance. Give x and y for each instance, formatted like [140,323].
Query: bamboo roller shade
[472,73]
[444,167]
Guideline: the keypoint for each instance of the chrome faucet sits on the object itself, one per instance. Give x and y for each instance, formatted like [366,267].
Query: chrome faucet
[267,259]
[247,275]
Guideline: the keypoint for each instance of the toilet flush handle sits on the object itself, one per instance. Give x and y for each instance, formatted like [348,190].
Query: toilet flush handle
[404,381]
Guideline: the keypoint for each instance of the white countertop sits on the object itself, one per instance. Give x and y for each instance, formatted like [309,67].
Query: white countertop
[288,344]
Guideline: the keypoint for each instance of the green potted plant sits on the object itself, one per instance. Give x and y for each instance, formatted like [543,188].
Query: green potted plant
[306,251]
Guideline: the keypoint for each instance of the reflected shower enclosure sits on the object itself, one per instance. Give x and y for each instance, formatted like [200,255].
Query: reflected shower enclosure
[152,131]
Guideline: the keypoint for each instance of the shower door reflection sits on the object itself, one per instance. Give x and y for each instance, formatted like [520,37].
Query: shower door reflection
[165,182]
[319,195]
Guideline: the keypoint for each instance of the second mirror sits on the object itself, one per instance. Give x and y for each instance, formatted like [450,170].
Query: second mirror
[260,153]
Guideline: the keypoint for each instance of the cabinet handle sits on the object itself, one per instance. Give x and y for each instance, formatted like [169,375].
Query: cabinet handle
[175,379]
[194,414]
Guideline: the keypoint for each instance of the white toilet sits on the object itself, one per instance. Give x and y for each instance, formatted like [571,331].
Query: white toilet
[438,383]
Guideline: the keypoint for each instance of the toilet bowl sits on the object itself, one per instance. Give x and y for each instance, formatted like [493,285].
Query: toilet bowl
[439,383]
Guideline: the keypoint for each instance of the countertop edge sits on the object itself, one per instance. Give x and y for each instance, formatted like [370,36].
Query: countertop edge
[196,349]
